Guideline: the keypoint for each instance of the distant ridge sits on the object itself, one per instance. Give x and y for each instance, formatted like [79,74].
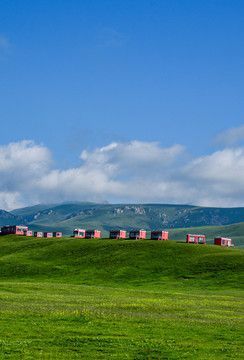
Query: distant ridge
[7,218]
[69,215]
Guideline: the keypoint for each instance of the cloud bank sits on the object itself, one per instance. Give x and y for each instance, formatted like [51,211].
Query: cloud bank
[121,172]
[231,136]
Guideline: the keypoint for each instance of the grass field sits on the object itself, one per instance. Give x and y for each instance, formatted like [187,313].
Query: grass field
[118,299]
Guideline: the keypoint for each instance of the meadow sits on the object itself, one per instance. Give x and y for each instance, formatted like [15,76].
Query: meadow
[118,299]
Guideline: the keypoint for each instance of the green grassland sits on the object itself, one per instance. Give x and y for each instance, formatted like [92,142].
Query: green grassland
[119,299]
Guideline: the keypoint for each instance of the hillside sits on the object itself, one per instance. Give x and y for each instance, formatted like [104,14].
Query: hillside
[124,263]
[7,218]
[68,216]
[233,231]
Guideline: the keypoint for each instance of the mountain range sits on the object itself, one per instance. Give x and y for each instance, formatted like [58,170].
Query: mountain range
[67,216]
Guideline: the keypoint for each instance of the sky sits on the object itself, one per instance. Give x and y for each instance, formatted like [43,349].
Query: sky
[135,101]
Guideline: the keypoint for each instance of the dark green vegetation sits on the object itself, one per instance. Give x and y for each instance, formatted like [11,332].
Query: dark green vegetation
[66,217]
[118,299]
[124,263]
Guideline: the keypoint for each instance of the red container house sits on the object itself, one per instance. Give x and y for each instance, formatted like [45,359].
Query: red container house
[57,234]
[159,235]
[138,234]
[195,239]
[48,234]
[222,241]
[14,229]
[93,234]
[79,233]
[28,233]
[117,234]
[38,234]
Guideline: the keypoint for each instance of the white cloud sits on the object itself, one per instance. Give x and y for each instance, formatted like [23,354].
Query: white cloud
[103,171]
[10,200]
[121,172]
[218,179]
[231,136]
[222,166]
[21,164]
[24,154]
[134,157]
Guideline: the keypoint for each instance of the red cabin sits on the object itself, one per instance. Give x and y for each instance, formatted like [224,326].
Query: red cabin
[93,234]
[79,233]
[117,234]
[28,233]
[222,241]
[137,234]
[48,234]
[159,235]
[38,234]
[195,239]
[14,229]
[57,234]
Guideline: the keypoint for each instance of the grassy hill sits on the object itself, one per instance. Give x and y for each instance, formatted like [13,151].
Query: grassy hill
[119,299]
[145,263]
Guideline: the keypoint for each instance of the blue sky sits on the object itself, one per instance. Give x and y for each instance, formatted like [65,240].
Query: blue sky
[156,86]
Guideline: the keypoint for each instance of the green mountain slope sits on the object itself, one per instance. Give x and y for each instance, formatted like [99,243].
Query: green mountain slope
[7,218]
[233,231]
[104,217]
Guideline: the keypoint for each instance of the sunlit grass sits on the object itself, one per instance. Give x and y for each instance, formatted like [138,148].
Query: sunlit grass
[102,299]
[69,322]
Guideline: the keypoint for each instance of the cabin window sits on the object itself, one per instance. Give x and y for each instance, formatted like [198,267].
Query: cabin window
[192,238]
[201,239]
